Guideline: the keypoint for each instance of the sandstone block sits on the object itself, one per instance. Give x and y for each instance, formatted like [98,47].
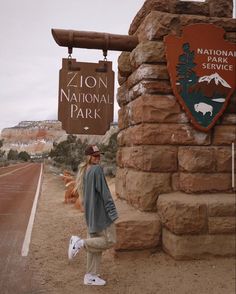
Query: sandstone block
[224,135]
[156,108]
[182,214]
[148,71]
[205,182]
[229,118]
[175,181]
[162,134]
[148,52]
[122,95]
[221,8]
[121,80]
[228,24]
[196,159]
[136,229]
[120,182]
[149,5]
[182,7]
[221,205]
[197,246]
[231,37]
[150,87]
[157,24]
[223,157]
[143,188]
[222,225]
[124,117]
[148,158]
[124,64]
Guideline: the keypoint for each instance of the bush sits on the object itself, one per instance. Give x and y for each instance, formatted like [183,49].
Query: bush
[23,155]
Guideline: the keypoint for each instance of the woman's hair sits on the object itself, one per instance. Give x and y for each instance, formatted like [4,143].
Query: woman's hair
[79,183]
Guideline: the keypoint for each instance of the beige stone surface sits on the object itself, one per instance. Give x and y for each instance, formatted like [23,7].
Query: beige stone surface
[120,182]
[143,188]
[213,8]
[156,108]
[205,159]
[150,87]
[221,205]
[158,24]
[197,246]
[223,157]
[122,94]
[148,71]
[162,134]
[222,225]
[124,64]
[221,8]
[197,159]
[182,214]
[224,135]
[136,229]
[205,182]
[148,158]
[229,118]
[148,52]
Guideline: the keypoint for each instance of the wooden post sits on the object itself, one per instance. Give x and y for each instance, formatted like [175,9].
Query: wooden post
[94,40]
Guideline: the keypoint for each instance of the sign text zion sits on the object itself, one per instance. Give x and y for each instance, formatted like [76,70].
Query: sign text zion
[86,97]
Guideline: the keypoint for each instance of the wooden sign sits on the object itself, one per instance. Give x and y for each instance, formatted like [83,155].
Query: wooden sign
[86,97]
[202,68]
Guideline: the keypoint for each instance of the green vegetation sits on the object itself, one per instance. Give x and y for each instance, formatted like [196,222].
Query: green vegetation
[23,155]
[12,154]
[69,153]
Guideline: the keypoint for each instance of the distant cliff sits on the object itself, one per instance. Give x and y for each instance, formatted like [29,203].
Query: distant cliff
[37,137]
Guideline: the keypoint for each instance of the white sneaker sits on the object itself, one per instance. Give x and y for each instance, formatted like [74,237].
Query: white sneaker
[75,245]
[93,280]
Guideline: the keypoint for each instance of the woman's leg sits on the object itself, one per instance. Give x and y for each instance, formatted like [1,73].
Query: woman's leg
[96,244]
[93,262]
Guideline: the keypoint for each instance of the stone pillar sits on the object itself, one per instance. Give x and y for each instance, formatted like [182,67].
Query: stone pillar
[159,150]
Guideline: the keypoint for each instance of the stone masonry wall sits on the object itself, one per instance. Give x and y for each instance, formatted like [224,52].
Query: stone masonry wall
[159,150]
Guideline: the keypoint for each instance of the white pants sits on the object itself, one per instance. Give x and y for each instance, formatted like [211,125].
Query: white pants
[96,244]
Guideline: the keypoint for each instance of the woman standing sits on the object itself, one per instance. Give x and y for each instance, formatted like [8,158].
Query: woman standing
[100,214]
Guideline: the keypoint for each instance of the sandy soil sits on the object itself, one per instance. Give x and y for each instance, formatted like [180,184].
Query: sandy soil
[125,272]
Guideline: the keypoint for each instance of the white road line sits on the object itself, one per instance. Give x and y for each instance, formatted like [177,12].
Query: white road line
[26,243]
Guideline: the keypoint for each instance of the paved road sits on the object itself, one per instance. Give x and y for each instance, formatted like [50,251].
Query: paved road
[18,185]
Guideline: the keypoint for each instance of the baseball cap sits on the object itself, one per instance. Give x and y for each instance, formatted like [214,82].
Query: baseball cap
[92,149]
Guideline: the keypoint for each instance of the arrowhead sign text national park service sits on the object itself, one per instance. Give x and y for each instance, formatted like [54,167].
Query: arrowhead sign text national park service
[202,66]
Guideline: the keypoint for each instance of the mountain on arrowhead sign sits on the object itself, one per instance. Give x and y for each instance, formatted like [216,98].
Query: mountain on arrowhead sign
[202,68]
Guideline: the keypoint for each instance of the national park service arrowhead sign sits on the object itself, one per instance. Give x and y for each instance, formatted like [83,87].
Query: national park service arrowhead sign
[86,97]
[202,68]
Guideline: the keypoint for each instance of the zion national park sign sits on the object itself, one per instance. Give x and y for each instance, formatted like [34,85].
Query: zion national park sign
[202,66]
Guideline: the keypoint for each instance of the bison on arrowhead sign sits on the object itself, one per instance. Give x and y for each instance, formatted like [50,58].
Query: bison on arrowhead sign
[202,70]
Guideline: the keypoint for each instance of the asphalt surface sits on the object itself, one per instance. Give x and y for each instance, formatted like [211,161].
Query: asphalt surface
[18,185]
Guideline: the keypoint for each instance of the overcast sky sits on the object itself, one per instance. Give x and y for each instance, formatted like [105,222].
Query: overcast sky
[30,59]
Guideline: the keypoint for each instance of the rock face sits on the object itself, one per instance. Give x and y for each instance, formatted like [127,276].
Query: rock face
[160,153]
[135,229]
[36,137]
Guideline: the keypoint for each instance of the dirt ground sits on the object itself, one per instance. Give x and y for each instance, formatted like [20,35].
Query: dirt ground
[125,272]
